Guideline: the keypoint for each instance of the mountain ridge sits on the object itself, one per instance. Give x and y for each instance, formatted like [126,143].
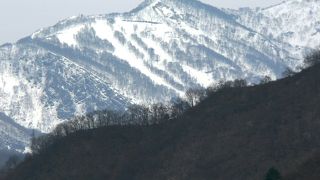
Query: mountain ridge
[296,18]
[149,55]
[235,133]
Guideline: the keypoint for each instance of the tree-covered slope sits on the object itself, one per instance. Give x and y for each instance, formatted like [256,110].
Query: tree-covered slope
[235,134]
[150,54]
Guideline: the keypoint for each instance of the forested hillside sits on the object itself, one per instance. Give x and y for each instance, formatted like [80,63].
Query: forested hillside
[236,133]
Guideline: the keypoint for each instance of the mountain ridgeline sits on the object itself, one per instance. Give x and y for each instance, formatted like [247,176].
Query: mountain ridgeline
[236,133]
[150,54]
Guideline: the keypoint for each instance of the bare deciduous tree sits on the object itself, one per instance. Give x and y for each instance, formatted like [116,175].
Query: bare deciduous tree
[312,59]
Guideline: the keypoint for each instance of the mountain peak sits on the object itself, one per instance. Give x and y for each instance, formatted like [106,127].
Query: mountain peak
[292,3]
[148,3]
[151,54]
[182,7]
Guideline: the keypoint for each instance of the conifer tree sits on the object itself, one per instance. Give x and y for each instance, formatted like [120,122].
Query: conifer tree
[273,174]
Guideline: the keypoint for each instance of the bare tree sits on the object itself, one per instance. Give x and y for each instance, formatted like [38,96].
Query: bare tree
[194,96]
[288,72]
[239,83]
[312,59]
[265,80]
[159,113]
[178,107]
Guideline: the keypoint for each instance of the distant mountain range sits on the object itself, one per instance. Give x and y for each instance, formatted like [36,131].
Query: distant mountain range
[151,54]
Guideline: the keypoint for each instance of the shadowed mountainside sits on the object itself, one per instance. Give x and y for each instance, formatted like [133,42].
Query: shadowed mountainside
[309,170]
[235,134]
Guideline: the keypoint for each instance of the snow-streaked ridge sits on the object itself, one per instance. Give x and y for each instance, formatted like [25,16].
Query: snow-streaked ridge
[293,21]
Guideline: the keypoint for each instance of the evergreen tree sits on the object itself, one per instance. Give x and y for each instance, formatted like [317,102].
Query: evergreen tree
[273,174]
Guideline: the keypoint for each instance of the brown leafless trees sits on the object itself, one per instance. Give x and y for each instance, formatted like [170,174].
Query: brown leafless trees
[312,59]
[134,115]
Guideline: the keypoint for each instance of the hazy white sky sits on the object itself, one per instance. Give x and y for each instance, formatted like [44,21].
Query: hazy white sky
[19,18]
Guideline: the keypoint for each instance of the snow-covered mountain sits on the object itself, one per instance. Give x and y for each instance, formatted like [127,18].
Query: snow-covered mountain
[13,136]
[296,22]
[40,89]
[151,54]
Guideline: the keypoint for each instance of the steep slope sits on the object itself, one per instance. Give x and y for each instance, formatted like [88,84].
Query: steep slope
[177,44]
[235,134]
[14,140]
[13,137]
[151,54]
[309,169]
[293,21]
[40,89]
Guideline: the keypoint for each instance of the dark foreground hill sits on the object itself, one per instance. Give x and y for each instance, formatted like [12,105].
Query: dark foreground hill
[309,170]
[235,134]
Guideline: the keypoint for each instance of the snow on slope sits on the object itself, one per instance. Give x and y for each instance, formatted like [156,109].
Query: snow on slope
[151,54]
[46,89]
[13,137]
[67,36]
[296,22]
[166,33]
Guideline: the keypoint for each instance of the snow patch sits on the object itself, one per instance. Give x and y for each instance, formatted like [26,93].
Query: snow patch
[67,36]
[201,77]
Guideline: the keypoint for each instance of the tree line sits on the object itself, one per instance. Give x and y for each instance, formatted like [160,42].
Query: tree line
[149,114]
[143,115]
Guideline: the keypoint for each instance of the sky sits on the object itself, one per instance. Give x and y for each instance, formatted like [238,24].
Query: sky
[20,18]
